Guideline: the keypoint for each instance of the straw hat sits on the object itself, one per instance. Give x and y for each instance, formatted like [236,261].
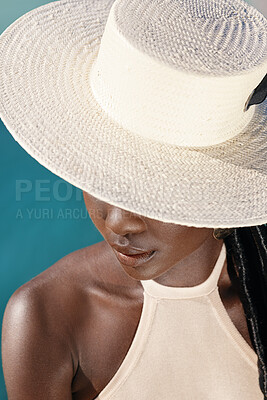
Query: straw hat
[143,104]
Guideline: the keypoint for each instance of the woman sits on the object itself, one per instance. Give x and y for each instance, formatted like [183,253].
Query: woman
[72,326]
[149,108]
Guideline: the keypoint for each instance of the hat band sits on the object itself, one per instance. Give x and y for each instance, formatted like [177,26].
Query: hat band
[165,104]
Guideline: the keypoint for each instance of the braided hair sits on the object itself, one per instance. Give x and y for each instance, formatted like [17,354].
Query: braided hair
[246,252]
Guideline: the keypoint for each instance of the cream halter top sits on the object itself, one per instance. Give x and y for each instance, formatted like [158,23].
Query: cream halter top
[186,348]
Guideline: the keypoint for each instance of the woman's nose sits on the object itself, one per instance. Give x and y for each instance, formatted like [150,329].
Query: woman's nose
[121,221]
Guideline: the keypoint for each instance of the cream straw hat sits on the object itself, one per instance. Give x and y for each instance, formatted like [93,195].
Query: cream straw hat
[143,104]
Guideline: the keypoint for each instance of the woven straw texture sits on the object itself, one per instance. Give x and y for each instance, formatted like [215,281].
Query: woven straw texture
[214,36]
[48,106]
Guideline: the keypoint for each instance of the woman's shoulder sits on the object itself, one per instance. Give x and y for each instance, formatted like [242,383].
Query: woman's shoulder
[78,306]
[40,323]
[73,284]
[64,276]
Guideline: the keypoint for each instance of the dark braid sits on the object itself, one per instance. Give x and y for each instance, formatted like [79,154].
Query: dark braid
[247,267]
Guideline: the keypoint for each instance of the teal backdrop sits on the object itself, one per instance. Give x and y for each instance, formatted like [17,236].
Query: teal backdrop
[43,218]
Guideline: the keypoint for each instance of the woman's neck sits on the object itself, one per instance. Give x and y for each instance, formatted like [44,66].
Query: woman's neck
[194,268]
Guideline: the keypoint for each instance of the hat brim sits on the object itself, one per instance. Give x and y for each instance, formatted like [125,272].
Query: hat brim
[47,105]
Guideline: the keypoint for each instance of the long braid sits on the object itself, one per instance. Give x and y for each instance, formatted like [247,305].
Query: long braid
[247,267]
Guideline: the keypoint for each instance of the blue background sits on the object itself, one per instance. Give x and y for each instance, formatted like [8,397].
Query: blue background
[31,241]
[35,231]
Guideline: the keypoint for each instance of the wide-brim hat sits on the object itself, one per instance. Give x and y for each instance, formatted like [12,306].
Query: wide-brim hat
[143,104]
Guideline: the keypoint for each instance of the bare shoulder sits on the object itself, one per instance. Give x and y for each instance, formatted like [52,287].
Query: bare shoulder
[38,330]
[58,283]
[60,291]
[55,324]
[71,278]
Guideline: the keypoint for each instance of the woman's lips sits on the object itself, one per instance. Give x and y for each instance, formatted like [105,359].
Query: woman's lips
[134,260]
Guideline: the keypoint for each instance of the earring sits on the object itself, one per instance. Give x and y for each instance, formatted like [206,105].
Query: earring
[219,233]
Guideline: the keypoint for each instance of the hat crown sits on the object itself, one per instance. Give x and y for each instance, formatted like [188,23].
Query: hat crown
[180,72]
[203,36]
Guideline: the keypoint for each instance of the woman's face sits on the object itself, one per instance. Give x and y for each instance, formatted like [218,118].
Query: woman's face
[130,233]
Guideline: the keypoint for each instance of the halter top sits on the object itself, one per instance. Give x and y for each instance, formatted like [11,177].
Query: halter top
[186,348]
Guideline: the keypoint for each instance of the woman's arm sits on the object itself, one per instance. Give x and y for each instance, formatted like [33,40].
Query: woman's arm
[37,361]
